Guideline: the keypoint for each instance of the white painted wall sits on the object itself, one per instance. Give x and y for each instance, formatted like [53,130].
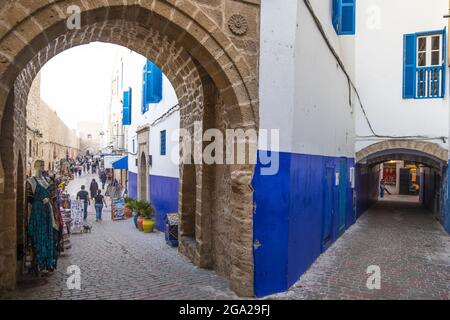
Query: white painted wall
[303,92]
[380,27]
[133,65]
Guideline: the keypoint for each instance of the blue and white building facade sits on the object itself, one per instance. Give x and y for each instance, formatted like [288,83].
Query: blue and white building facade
[328,69]
[303,209]
[402,76]
[349,74]
[151,118]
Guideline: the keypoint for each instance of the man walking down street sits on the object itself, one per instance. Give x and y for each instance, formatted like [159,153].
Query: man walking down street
[93,188]
[84,195]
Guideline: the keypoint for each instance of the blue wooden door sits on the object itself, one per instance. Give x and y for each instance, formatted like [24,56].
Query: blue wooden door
[328,208]
[342,195]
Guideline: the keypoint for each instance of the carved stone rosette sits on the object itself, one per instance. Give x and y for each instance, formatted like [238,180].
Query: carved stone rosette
[238,24]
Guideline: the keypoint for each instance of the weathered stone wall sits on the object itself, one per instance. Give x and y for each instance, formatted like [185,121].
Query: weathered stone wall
[12,149]
[48,136]
[185,38]
[89,133]
[430,148]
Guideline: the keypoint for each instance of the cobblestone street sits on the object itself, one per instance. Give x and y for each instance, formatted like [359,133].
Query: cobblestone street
[119,262]
[404,240]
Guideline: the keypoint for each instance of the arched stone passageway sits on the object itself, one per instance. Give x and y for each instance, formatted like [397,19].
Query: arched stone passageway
[212,66]
[411,147]
[432,158]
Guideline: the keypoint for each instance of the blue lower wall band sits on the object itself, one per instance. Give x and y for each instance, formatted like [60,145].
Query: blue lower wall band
[299,213]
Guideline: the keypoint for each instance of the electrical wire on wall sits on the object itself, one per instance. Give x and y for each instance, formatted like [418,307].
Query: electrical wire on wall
[352,85]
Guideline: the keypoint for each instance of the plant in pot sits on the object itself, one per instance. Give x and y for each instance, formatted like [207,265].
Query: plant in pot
[131,204]
[147,212]
[139,218]
[128,210]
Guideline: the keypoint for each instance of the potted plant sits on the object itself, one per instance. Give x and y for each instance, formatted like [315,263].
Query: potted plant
[132,205]
[128,210]
[147,213]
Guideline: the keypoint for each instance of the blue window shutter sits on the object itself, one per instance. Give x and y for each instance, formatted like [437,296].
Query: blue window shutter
[163,143]
[153,83]
[130,106]
[348,17]
[127,102]
[409,66]
[336,15]
[144,90]
[444,61]
[125,107]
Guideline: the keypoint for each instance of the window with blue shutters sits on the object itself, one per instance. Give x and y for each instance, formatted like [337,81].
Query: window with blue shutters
[163,143]
[151,85]
[127,103]
[424,67]
[344,16]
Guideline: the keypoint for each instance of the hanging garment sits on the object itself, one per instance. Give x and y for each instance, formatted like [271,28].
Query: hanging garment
[58,225]
[40,229]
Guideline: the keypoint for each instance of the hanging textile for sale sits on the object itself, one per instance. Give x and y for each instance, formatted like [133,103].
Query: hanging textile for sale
[42,225]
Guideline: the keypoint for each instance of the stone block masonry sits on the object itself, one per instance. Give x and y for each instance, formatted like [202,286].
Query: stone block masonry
[209,50]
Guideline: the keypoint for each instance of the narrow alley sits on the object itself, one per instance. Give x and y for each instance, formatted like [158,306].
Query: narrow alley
[250,149]
[118,262]
[404,240]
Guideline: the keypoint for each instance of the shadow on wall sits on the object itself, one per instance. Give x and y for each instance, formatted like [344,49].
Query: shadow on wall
[367,182]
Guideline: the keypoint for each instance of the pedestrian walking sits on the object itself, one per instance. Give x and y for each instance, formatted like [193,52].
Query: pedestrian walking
[99,203]
[84,196]
[382,188]
[93,188]
[103,179]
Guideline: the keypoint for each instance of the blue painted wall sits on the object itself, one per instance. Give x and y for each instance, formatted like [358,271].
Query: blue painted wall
[445,199]
[164,197]
[132,185]
[289,217]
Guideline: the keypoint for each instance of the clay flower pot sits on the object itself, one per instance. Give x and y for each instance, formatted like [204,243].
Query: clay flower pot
[148,225]
[140,226]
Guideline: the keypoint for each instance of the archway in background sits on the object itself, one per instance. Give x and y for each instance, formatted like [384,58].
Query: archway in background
[430,156]
[211,64]
[419,148]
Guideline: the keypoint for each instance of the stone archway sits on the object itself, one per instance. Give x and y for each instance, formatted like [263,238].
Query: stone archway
[391,147]
[211,61]
[432,156]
